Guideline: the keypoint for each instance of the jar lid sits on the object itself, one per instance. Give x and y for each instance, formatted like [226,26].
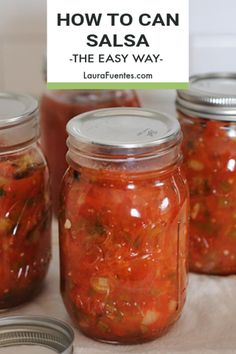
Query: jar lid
[18,121]
[211,96]
[123,130]
[16,109]
[35,331]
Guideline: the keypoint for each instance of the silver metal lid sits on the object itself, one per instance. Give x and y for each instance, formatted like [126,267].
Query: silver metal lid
[123,130]
[211,96]
[36,331]
[19,123]
[16,109]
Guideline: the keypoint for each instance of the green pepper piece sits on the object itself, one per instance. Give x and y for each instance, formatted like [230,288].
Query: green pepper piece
[2,192]
[225,186]
[232,232]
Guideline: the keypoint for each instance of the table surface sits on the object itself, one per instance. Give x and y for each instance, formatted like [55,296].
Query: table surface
[208,323]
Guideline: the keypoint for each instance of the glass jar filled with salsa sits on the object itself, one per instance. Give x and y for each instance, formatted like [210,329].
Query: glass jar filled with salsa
[25,214]
[57,108]
[207,113]
[123,225]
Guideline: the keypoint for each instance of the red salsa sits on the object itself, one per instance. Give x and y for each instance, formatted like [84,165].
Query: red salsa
[57,108]
[24,227]
[25,205]
[123,241]
[209,149]
[207,116]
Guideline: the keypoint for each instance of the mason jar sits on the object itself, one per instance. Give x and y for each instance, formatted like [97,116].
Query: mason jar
[123,225]
[57,108]
[25,215]
[207,113]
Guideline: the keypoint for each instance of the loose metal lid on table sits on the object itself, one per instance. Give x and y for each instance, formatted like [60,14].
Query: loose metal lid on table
[38,331]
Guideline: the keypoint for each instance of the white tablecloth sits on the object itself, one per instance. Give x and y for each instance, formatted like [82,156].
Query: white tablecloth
[208,323]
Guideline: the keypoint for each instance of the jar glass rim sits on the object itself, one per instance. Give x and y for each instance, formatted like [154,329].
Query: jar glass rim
[211,95]
[19,121]
[16,109]
[123,131]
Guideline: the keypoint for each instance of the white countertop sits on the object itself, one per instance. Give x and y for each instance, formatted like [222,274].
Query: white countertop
[208,323]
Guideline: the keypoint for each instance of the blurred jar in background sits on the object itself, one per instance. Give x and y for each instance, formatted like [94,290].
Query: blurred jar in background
[207,113]
[57,108]
[25,206]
